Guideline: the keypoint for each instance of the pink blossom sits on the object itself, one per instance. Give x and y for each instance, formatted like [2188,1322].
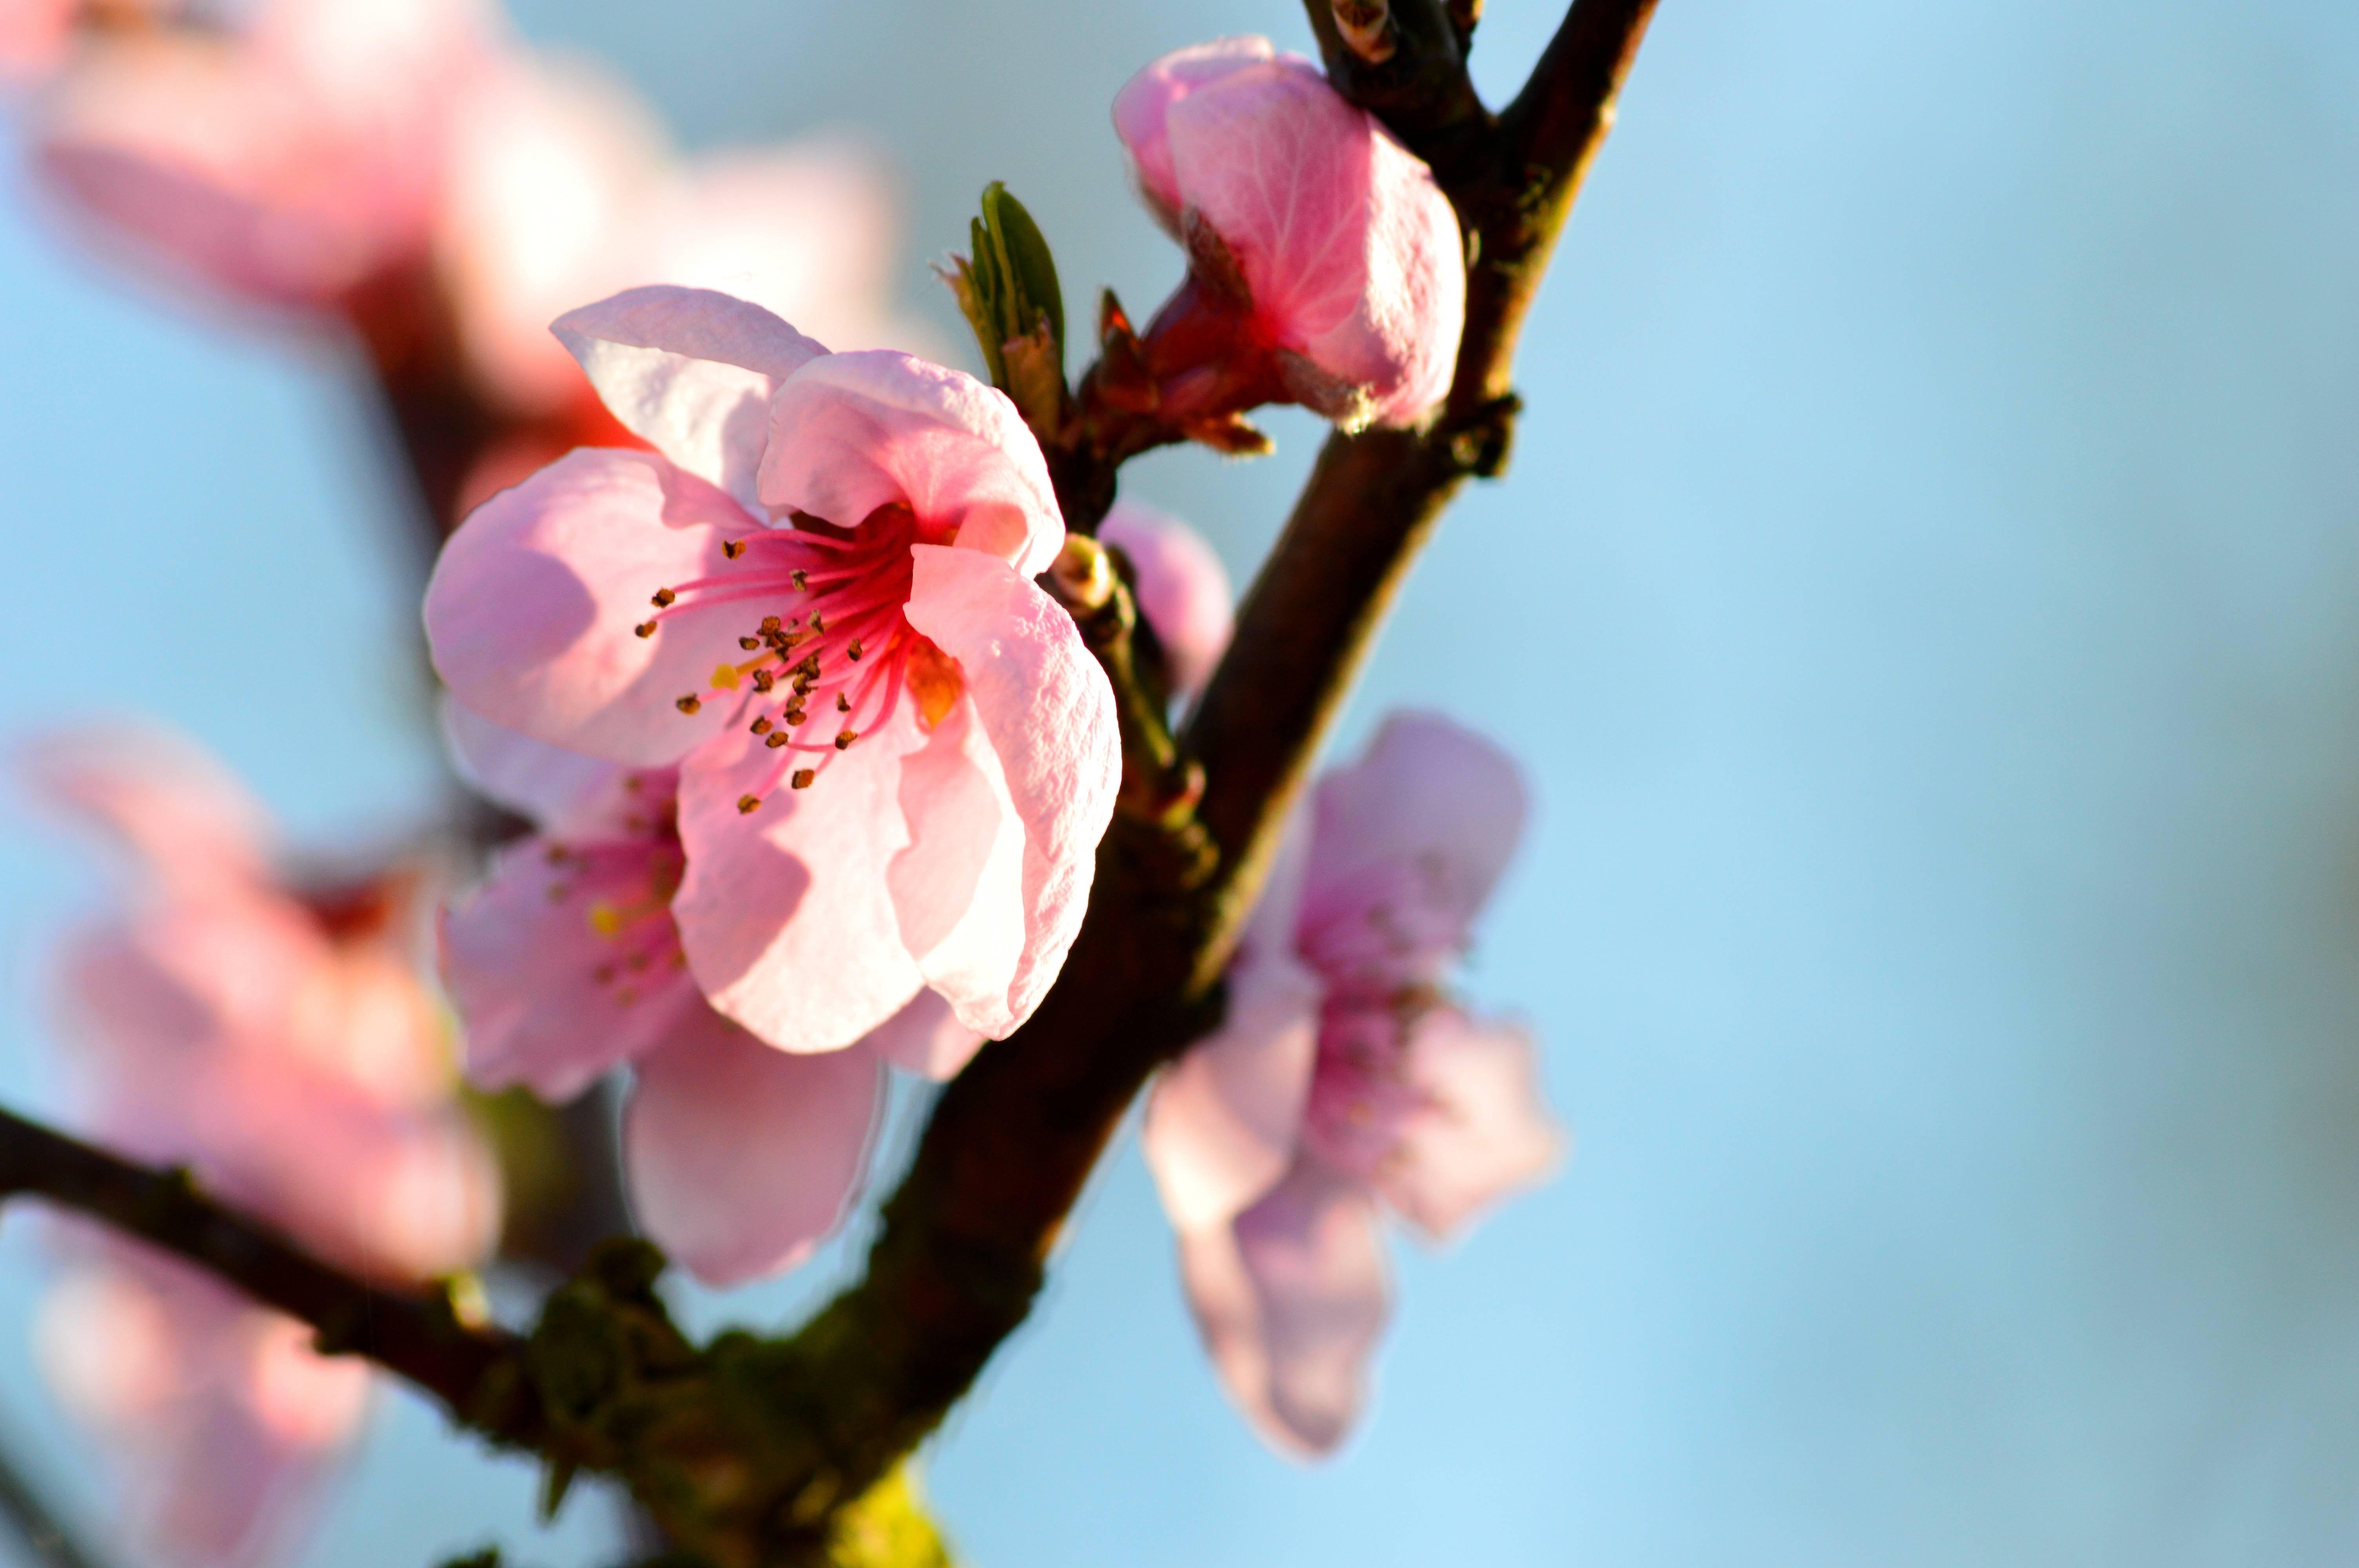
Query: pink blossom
[284,1050]
[1325,265]
[845,541]
[333,144]
[1183,590]
[34,37]
[567,962]
[1345,1083]
[285,164]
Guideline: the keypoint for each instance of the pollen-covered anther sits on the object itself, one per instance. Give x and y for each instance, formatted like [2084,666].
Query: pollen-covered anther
[819,622]
[803,778]
[645,629]
[761,726]
[851,650]
[771,623]
[663,596]
[732,548]
[763,680]
[689,704]
[842,703]
[844,737]
[775,739]
[748,804]
[749,644]
[801,580]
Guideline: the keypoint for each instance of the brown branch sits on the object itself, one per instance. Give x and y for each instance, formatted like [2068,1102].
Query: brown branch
[476,1372]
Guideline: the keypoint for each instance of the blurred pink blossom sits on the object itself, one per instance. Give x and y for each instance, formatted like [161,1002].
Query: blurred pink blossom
[846,541]
[1343,1080]
[1183,590]
[1325,265]
[285,1050]
[567,961]
[34,37]
[332,143]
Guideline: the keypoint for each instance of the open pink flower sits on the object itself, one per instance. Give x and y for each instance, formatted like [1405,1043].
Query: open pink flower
[284,1050]
[332,143]
[1325,265]
[1343,1082]
[1183,590]
[815,598]
[286,163]
[567,962]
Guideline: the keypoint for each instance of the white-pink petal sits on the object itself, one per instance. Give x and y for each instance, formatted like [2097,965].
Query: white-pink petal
[691,372]
[1482,1132]
[853,432]
[741,1159]
[926,1038]
[1048,713]
[532,609]
[1290,1298]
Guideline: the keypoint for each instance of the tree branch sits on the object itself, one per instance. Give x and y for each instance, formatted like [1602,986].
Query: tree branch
[476,1372]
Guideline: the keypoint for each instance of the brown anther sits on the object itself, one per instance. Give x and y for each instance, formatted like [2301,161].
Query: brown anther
[644,628]
[810,666]
[603,974]
[761,726]
[732,548]
[801,580]
[853,651]
[819,622]
[769,623]
[803,778]
[663,595]
[688,703]
[763,680]
[749,644]
[842,703]
[776,740]
[844,737]
[796,716]
[748,804]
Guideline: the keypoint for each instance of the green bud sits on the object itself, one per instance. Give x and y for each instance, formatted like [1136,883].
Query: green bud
[1008,290]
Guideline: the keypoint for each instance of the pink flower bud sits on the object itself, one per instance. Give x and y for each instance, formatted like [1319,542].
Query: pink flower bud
[1325,265]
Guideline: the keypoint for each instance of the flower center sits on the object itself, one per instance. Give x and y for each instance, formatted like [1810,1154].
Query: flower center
[1361,1098]
[641,945]
[827,639]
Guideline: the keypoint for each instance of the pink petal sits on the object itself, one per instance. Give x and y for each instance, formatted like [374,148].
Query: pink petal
[1409,840]
[689,371]
[551,163]
[1224,1123]
[741,1158]
[531,609]
[785,913]
[958,888]
[1290,1298]
[1183,590]
[1350,250]
[1143,107]
[188,819]
[1484,1131]
[926,1038]
[522,959]
[571,798]
[853,432]
[1048,714]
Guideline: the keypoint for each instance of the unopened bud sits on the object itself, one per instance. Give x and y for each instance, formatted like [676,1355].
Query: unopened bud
[1082,574]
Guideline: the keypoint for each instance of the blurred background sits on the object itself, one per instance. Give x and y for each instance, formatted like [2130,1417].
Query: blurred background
[1927,600]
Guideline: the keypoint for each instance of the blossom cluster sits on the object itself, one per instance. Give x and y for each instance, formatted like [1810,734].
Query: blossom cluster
[814,771]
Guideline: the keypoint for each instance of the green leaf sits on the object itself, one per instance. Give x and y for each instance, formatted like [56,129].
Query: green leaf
[1025,253]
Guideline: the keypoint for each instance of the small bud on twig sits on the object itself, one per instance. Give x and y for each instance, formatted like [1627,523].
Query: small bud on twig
[1366,26]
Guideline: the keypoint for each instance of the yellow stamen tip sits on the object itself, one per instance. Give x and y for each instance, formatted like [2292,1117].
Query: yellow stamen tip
[605,919]
[724,677]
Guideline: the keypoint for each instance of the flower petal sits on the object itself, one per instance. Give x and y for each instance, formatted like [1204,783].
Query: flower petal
[1048,714]
[571,798]
[524,958]
[1291,1298]
[690,371]
[785,911]
[741,1159]
[1183,590]
[926,1038]
[958,888]
[1484,1131]
[192,824]
[531,609]
[1142,110]
[854,432]
[1407,843]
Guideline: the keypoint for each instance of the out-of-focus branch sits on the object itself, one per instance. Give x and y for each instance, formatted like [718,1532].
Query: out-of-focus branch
[36,1523]
[475,1370]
